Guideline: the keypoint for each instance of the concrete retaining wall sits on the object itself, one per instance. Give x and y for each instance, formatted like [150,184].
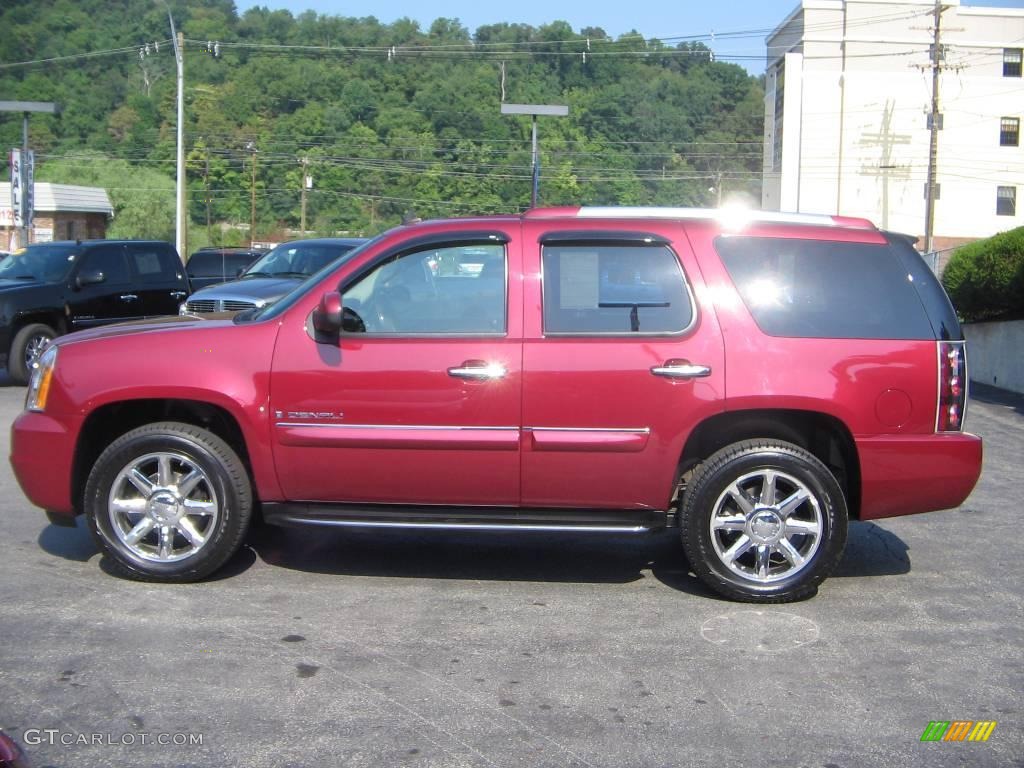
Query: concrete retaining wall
[995,354]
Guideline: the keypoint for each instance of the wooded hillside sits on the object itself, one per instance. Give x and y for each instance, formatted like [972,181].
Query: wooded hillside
[391,118]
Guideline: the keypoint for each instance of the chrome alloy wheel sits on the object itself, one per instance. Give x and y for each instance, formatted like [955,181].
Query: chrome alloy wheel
[34,348]
[766,526]
[163,507]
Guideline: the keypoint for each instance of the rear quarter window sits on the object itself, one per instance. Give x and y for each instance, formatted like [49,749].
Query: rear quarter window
[825,289]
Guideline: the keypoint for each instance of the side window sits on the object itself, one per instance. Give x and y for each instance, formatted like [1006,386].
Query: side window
[205,264]
[613,288]
[440,290]
[235,263]
[825,290]
[111,261]
[151,263]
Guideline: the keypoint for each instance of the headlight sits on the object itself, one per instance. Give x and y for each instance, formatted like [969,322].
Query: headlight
[39,381]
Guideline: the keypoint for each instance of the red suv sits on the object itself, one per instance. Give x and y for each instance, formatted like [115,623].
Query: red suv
[755,381]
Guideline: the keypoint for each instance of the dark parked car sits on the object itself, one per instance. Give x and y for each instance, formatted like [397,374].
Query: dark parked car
[49,289]
[272,276]
[212,266]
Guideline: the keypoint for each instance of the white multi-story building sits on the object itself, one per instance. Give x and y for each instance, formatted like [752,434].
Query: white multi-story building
[848,92]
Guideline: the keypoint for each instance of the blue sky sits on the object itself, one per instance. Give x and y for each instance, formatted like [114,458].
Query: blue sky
[651,18]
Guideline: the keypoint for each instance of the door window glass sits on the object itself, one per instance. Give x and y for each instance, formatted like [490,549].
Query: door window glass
[110,260]
[605,288]
[456,290]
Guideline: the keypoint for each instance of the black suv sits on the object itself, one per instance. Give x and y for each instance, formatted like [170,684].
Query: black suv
[49,289]
[211,266]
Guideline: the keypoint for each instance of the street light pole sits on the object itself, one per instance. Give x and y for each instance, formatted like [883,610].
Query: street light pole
[25,164]
[551,110]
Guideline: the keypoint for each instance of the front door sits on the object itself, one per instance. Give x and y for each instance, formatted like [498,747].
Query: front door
[419,403]
[619,365]
[102,290]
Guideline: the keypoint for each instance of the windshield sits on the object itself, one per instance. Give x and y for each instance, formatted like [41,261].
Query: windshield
[299,259]
[46,263]
[277,307]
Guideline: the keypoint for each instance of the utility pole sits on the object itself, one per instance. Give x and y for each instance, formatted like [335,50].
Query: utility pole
[179,226]
[307,182]
[206,183]
[251,146]
[934,124]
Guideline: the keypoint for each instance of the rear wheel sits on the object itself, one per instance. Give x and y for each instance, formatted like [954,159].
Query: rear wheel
[168,502]
[28,344]
[763,521]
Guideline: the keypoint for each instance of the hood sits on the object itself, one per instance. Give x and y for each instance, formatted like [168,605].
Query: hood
[165,324]
[258,290]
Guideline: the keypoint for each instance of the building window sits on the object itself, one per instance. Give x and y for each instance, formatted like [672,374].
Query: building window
[1006,201]
[1011,61]
[1009,132]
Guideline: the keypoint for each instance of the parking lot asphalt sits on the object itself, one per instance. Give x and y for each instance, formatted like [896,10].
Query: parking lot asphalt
[413,649]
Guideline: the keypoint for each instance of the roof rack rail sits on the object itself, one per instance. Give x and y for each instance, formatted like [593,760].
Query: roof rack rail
[727,215]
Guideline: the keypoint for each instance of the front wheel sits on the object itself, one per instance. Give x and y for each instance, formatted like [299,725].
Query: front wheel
[28,344]
[168,502]
[763,521]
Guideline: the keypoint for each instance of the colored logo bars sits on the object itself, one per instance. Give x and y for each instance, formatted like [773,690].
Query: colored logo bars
[958,730]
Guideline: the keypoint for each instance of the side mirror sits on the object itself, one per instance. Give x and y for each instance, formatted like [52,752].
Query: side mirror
[89,277]
[326,318]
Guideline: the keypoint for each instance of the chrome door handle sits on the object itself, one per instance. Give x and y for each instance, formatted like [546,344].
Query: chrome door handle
[128,297]
[681,369]
[178,294]
[478,370]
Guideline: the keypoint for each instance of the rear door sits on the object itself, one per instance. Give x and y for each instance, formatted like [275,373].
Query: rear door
[419,402]
[159,285]
[620,362]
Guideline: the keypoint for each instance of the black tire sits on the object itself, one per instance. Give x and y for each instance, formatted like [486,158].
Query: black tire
[25,348]
[204,495]
[752,551]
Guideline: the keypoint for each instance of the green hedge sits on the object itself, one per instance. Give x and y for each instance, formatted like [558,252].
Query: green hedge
[985,279]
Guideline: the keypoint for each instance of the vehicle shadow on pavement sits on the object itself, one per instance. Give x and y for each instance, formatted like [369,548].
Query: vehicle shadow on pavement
[70,543]
[506,556]
[511,556]
[872,551]
[76,544]
[495,556]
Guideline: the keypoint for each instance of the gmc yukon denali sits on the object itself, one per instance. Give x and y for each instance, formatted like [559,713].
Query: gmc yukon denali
[755,381]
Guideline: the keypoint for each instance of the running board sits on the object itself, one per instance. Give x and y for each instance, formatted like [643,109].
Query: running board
[463,518]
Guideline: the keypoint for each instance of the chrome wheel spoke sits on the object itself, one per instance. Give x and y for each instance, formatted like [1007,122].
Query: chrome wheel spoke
[194,507]
[166,541]
[164,475]
[804,527]
[742,544]
[188,484]
[188,530]
[762,561]
[790,553]
[144,526]
[140,481]
[788,506]
[740,498]
[129,506]
[729,523]
[768,489]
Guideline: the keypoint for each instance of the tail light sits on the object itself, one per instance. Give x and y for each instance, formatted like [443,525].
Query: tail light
[952,386]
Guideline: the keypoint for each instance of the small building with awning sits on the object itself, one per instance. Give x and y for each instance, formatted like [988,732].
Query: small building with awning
[62,212]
